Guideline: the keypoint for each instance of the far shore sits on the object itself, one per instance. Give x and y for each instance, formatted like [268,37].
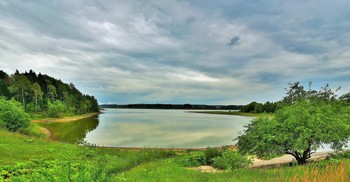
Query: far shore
[66,119]
[235,113]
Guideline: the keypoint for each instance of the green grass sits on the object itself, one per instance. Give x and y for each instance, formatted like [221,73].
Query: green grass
[31,159]
[170,170]
[235,113]
[24,158]
[33,130]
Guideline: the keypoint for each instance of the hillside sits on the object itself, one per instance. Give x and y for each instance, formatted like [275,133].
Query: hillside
[45,96]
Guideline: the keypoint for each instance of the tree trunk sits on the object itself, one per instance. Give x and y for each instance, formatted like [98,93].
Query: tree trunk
[23,99]
[301,158]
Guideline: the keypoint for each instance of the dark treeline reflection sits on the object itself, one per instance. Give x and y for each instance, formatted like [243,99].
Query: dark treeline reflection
[72,132]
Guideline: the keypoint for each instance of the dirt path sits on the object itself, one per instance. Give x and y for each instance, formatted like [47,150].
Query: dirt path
[258,163]
[66,119]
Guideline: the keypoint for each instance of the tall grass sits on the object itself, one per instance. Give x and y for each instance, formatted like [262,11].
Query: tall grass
[332,173]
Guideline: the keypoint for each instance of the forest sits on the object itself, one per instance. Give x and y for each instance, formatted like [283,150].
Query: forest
[43,96]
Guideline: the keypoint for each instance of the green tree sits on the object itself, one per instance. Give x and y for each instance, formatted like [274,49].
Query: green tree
[38,94]
[51,92]
[249,108]
[298,130]
[294,93]
[56,109]
[20,86]
[258,108]
[12,115]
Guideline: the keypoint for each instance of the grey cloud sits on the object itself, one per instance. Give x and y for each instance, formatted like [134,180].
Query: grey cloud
[234,41]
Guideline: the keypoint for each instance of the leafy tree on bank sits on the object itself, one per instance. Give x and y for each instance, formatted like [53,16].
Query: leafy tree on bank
[12,115]
[306,121]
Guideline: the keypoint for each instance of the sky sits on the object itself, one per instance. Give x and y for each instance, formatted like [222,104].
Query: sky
[177,51]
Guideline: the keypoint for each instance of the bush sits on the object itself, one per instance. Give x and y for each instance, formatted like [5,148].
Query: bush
[12,115]
[192,160]
[231,160]
[210,154]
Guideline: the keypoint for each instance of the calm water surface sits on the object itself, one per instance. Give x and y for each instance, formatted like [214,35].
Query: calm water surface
[153,128]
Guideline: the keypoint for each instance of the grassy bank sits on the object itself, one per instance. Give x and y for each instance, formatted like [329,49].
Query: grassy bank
[235,113]
[26,158]
[31,159]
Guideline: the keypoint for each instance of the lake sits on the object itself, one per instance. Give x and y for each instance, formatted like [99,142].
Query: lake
[151,128]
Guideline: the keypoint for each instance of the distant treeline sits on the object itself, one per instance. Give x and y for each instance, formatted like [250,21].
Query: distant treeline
[173,106]
[43,94]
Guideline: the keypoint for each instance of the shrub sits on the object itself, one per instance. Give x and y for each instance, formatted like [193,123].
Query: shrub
[192,160]
[12,115]
[210,154]
[231,160]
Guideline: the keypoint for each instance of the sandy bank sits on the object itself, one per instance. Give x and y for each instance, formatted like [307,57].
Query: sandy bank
[66,119]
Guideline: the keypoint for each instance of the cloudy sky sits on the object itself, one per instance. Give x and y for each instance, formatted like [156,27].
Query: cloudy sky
[167,51]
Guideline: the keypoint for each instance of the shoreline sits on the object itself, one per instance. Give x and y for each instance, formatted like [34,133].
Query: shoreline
[232,113]
[66,119]
[232,147]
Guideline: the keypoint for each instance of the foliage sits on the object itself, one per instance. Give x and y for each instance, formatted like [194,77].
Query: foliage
[210,154]
[230,160]
[37,94]
[255,107]
[42,93]
[195,159]
[340,155]
[307,120]
[20,86]
[12,115]
[254,140]
[56,109]
[220,158]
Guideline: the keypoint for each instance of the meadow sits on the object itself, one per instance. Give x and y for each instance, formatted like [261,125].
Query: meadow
[27,158]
